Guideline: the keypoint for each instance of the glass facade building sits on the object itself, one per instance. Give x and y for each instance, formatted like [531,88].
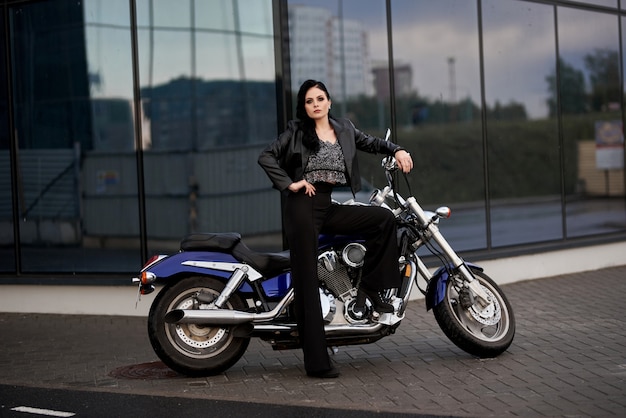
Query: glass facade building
[127,124]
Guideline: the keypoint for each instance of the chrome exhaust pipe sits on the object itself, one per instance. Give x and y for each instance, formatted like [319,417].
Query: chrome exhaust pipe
[352,329]
[330,330]
[208,317]
[224,316]
[227,317]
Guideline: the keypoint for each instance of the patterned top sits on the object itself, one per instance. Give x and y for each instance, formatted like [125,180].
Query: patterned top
[327,165]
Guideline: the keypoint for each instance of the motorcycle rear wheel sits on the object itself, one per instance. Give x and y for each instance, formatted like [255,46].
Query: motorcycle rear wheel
[484,333]
[193,349]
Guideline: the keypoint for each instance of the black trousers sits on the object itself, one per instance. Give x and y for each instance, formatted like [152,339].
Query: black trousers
[305,218]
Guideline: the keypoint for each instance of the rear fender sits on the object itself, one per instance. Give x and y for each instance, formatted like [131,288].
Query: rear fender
[205,263]
[436,290]
[182,264]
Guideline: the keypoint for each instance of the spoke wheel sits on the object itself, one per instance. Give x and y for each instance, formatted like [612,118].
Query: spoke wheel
[194,349]
[484,331]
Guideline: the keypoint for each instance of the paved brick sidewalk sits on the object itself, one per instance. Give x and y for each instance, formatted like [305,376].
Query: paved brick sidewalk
[568,359]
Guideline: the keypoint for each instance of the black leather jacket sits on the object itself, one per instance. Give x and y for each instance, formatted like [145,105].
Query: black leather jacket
[284,159]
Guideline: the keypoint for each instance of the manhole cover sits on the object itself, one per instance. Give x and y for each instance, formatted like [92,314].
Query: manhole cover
[144,371]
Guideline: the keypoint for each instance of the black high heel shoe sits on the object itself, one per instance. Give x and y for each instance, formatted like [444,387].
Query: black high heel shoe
[331,373]
[379,305]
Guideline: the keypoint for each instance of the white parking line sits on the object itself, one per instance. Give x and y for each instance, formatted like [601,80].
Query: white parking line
[48,412]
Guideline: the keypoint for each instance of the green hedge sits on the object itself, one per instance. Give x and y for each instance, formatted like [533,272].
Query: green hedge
[524,158]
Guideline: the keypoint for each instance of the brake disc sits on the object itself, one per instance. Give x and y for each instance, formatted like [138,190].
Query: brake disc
[490,315]
[198,336]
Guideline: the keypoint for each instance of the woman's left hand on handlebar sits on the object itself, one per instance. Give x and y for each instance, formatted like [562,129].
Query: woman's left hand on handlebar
[404,160]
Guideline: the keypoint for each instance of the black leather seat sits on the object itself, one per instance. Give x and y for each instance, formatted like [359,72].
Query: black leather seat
[268,264]
[221,242]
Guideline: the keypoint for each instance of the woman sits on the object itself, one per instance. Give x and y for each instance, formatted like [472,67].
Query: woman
[315,153]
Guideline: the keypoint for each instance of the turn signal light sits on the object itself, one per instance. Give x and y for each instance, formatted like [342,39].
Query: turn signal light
[147,277]
[444,212]
[407,270]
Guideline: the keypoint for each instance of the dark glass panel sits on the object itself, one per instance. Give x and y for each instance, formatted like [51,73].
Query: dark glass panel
[209,99]
[7,251]
[73,119]
[438,111]
[522,129]
[592,134]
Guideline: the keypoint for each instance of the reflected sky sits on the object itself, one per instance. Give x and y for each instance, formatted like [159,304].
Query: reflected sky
[108,48]
[581,32]
[111,12]
[519,50]
[425,34]
[607,3]
[165,52]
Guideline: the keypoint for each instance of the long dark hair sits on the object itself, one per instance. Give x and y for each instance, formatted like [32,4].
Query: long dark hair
[309,139]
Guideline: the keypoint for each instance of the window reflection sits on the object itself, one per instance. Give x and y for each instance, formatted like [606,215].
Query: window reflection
[7,253]
[107,13]
[167,14]
[344,44]
[109,169]
[607,3]
[212,14]
[208,106]
[73,115]
[209,101]
[439,117]
[589,64]
[522,129]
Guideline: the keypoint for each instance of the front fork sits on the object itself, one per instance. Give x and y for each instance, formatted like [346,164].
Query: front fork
[477,293]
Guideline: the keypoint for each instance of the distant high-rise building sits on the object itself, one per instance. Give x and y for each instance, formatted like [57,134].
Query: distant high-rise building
[403,79]
[329,49]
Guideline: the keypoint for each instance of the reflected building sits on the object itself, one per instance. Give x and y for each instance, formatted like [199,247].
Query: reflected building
[113,125]
[402,76]
[326,48]
[218,111]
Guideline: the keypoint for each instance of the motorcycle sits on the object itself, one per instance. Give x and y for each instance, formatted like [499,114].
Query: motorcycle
[218,293]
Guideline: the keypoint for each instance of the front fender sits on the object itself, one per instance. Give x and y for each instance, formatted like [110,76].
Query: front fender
[436,290]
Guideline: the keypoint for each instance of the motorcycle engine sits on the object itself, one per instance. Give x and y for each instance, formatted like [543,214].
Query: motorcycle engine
[340,273]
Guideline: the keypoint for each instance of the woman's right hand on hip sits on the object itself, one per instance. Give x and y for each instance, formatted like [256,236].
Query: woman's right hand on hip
[309,189]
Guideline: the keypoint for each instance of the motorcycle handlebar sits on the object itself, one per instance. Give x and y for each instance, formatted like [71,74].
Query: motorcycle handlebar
[389,164]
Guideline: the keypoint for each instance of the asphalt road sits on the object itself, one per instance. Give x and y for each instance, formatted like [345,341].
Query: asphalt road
[24,402]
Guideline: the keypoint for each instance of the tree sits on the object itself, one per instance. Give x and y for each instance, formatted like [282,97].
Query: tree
[572,90]
[603,67]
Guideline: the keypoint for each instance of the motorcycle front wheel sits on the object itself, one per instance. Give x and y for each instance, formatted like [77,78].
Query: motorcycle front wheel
[483,332]
[194,349]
